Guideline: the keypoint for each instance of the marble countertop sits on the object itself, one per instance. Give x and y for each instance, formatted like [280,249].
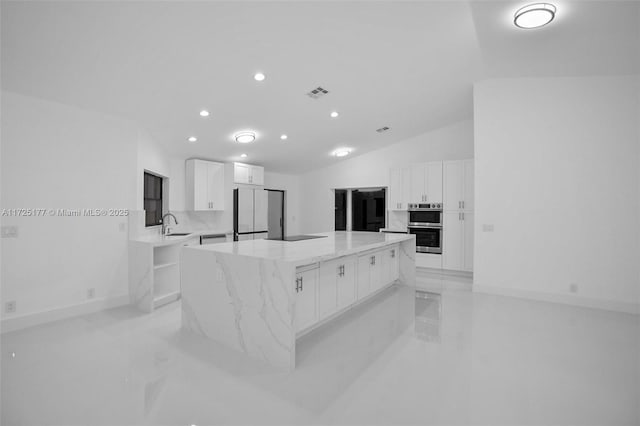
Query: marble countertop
[335,244]
[162,240]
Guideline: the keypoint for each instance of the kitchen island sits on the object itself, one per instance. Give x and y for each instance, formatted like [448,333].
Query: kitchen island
[258,296]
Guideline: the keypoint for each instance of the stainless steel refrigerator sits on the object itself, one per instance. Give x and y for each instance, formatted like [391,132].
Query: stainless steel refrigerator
[250,214]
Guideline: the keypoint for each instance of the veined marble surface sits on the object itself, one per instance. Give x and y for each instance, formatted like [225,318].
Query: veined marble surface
[163,240]
[334,244]
[243,294]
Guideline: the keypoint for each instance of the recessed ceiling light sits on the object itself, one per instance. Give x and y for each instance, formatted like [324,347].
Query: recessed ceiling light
[283,137]
[204,113]
[245,137]
[243,155]
[192,139]
[259,76]
[534,15]
[334,114]
[342,152]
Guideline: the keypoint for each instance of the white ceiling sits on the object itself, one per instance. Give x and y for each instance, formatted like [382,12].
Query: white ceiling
[406,65]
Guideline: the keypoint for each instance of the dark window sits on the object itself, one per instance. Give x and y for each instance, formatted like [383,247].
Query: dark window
[152,199]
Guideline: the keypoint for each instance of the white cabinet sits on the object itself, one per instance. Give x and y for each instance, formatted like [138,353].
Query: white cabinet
[248,174]
[399,188]
[426,182]
[458,185]
[336,288]
[369,273]
[205,185]
[390,265]
[457,245]
[306,287]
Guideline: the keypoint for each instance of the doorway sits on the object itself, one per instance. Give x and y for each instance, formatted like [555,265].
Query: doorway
[275,214]
[341,210]
[368,209]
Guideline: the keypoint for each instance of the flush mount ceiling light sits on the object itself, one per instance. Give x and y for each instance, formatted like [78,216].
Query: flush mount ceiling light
[534,15]
[334,114]
[192,139]
[243,155]
[204,113]
[283,137]
[259,76]
[245,137]
[341,152]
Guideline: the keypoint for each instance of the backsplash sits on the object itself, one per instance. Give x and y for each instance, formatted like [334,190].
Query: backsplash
[397,220]
[188,221]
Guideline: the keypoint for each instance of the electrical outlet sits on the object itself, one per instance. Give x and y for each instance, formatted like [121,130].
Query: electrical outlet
[573,288]
[91,293]
[10,307]
[122,227]
[487,227]
[9,232]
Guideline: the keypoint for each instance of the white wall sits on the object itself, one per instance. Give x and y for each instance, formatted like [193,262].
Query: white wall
[453,142]
[557,175]
[59,157]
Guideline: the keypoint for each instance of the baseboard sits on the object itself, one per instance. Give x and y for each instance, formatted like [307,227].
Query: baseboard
[444,272]
[608,305]
[29,320]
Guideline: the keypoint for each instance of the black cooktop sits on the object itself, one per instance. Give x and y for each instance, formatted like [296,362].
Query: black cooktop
[298,237]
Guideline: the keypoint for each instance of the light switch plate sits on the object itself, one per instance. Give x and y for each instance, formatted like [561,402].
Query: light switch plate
[487,227]
[9,232]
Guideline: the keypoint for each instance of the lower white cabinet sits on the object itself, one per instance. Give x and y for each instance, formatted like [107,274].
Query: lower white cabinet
[391,265]
[324,289]
[306,297]
[336,288]
[457,241]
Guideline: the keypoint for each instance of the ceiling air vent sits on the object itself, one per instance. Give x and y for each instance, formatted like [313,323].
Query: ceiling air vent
[383,129]
[317,93]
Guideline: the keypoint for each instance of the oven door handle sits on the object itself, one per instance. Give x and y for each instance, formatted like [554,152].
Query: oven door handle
[424,226]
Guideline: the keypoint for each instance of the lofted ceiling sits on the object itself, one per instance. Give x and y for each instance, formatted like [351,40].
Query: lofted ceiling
[406,65]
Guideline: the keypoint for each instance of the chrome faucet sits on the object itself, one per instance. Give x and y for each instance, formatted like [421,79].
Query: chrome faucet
[165,226]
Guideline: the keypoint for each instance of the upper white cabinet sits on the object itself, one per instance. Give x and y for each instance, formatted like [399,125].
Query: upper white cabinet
[248,174]
[399,183]
[458,185]
[425,184]
[205,185]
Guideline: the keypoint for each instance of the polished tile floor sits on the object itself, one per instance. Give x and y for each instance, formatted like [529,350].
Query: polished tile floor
[442,355]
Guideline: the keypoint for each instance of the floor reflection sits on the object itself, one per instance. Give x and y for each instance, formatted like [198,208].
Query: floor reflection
[428,318]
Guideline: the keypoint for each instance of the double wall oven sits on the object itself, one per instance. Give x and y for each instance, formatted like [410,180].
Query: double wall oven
[425,222]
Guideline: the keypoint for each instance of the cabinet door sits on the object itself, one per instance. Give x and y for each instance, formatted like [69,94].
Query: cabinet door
[453,172]
[215,186]
[434,182]
[391,263]
[347,282]
[453,241]
[376,271]
[306,287]
[200,188]
[416,184]
[241,173]
[395,190]
[363,276]
[327,288]
[257,175]
[468,240]
[468,185]
[406,188]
